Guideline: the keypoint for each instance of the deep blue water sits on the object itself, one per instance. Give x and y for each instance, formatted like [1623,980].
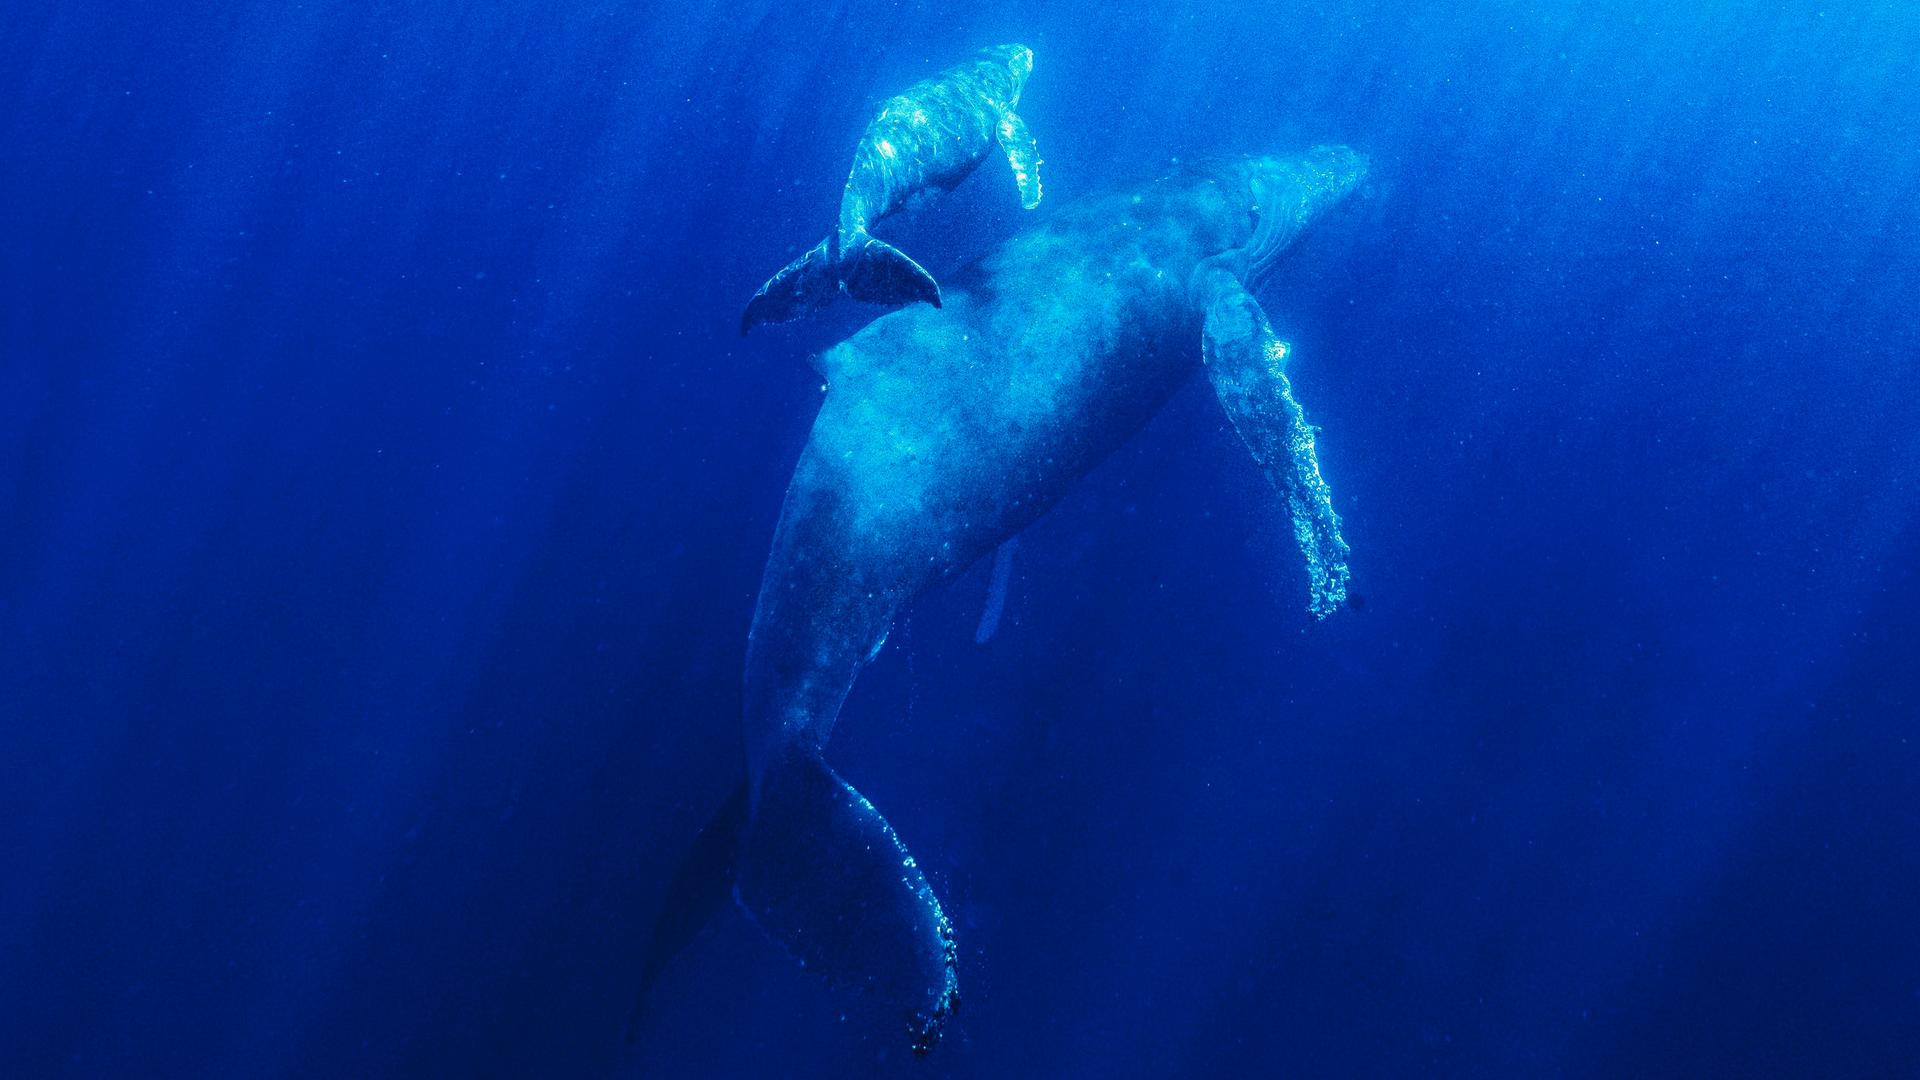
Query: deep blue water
[384,489]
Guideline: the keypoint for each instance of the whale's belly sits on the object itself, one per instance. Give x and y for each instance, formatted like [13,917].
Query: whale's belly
[947,430]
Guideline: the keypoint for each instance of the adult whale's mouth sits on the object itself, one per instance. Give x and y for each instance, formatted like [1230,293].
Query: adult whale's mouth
[1290,193]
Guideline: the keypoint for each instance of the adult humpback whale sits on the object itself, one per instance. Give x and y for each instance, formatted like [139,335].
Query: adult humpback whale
[930,136]
[945,432]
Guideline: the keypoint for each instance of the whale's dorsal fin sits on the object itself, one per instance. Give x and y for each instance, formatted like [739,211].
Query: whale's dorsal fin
[1023,154]
[1245,361]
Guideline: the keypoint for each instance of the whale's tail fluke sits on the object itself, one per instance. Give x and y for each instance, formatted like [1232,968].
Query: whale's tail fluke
[865,268]
[806,284]
[698,892]
[879,273]
[824,873]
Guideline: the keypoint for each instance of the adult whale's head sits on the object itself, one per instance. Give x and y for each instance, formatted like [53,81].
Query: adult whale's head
[1284,196]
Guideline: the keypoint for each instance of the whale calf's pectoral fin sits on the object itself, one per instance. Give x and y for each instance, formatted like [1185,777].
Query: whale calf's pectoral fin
[804,285]
[825,874]
[1245,361]
[879,273]
[1024,155]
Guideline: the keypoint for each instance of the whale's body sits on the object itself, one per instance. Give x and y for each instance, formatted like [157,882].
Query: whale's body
[947,430]
[944,432]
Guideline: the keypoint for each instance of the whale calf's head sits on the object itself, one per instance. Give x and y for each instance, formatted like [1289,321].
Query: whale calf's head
[1288,194]
[1008,67]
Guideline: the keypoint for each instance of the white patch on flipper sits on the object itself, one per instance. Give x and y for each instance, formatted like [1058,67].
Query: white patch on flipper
[1023,154]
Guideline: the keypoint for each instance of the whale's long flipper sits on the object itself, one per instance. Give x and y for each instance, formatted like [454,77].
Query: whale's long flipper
[1245,361]
[825,874]
[1023,154]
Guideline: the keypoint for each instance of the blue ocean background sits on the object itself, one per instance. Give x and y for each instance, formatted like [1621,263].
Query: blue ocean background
[384,489]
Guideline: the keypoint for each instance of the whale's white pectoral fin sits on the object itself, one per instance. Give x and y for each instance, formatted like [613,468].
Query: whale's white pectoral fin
[1245,360]
[1023,154]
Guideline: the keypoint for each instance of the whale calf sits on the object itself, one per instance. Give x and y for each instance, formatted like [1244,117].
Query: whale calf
[944,432]
[928,138]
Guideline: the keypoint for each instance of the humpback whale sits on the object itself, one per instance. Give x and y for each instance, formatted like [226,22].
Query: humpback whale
[944,432]
[929,137]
